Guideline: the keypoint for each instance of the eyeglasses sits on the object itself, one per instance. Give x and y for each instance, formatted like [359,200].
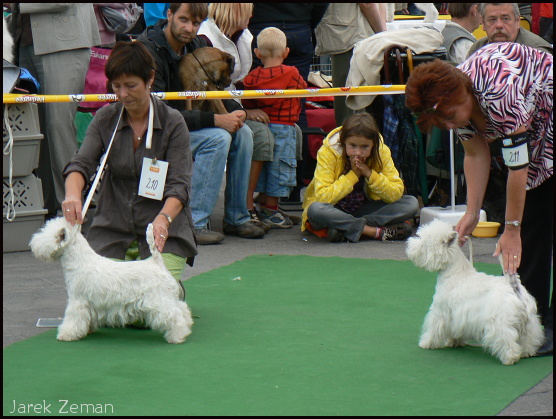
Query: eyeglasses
[429,111]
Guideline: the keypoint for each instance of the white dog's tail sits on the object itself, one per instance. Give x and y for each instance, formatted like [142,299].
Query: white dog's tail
[154,251]
[513,280]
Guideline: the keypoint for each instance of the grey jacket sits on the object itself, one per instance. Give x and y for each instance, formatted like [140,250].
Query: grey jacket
[341,27]
[62,26]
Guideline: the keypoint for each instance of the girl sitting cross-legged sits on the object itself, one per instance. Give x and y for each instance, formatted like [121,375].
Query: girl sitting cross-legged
[356,190]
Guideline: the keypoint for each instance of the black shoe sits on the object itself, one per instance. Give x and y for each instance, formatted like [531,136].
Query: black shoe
[548,345]
[206,236]
[399,231]
[334,235]
[247,230]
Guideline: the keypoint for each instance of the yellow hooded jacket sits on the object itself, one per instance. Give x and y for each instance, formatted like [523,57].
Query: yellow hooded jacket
[330,186]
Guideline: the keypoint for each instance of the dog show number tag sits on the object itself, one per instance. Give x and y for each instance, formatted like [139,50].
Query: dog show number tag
[153,178]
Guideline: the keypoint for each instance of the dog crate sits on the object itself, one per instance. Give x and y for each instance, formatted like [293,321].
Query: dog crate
[24,157]
[29,212]
[23,120]
[27,192]
[17,233]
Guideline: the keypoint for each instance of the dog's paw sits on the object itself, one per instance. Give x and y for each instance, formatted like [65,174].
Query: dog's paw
[177,336]
[425,345]
[509,360]
[430,344]
[67,337]
[455,343]
[175,340]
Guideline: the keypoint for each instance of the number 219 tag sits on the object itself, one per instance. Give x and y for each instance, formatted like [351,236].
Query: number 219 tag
[153,178]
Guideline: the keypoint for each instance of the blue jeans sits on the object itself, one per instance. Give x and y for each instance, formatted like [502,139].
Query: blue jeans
[278,176]
[214,151]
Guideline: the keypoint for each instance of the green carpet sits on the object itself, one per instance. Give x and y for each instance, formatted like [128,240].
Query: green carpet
[295,335]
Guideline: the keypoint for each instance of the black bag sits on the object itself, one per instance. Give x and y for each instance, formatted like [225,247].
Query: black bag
[121,20]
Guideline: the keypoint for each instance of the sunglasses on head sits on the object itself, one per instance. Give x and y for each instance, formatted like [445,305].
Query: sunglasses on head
[428,111]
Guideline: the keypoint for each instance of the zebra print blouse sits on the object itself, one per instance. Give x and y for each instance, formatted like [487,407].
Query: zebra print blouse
[513,84]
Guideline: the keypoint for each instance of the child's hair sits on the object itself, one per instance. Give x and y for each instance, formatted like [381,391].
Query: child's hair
[362,125]
[271,42]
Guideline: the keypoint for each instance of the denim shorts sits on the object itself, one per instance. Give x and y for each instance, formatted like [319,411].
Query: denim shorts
[278,176]
[263,141]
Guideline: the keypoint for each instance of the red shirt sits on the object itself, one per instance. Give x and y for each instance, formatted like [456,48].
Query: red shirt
[547,10]
[280,109]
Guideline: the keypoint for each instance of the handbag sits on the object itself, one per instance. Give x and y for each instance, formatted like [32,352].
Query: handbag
[95,80]
[121,20]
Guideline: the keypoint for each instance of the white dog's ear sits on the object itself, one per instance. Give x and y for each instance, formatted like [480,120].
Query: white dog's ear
[62,236]
[450,238]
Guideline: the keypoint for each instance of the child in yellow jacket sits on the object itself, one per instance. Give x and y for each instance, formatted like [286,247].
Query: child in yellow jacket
[356,190]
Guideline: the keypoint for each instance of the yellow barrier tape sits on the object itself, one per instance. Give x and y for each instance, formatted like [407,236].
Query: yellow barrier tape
[226,94]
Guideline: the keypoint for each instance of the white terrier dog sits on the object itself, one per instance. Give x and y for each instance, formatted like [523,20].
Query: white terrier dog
[104,292]
[496,311]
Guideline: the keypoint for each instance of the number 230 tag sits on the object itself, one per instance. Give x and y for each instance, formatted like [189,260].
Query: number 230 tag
[153,178]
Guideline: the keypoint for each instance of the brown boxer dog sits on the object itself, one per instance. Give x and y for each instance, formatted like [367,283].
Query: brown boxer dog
[206,69]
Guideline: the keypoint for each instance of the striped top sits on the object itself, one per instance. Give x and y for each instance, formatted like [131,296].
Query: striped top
[513,85]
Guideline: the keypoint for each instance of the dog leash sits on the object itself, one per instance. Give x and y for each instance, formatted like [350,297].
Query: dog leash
[100,169]
[470,249]
[206,73]
[105,156]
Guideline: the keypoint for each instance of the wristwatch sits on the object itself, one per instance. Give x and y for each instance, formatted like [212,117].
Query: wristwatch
[167,217]
[513,223]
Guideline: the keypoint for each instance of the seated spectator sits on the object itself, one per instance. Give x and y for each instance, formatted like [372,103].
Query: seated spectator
[219,142]
[458,33]
[122,214]
[501,22]
[357,190]
[278,176]
[226,29]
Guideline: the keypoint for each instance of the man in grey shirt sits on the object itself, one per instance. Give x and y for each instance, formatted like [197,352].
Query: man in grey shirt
[501,22]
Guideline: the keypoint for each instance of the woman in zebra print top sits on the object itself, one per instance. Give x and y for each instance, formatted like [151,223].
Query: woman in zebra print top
[503,92]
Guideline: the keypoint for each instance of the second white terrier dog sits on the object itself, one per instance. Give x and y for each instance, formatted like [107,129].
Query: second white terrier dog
[104,292]
[496,311]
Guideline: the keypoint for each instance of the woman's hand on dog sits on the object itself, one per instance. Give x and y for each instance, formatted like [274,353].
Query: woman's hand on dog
[160,232]
[509,246]
[71,207]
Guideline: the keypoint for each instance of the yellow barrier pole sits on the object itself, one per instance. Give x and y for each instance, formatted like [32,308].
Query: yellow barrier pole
[226,94]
